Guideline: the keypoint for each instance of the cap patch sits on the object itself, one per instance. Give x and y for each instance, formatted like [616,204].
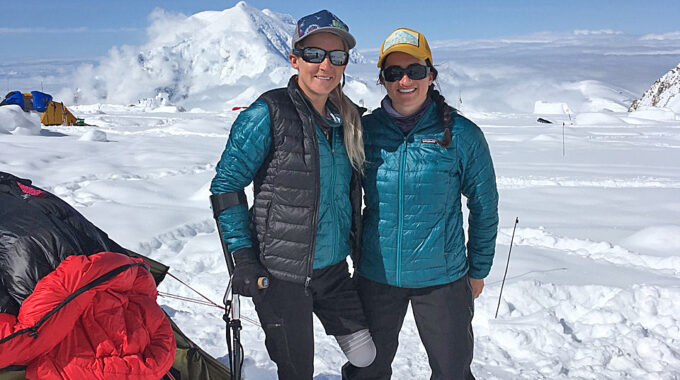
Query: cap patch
[401,36]
[339,24]
[310,29]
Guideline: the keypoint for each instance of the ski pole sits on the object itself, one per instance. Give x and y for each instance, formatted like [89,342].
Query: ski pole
[232,305]
[233,321]
[506,267]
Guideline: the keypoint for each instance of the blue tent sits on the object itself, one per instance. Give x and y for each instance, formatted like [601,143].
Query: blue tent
[14,97]
[40,100]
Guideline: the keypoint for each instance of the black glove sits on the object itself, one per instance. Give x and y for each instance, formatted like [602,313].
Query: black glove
[246,273]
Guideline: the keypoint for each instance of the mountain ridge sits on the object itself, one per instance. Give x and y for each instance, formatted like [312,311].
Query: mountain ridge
[664,93]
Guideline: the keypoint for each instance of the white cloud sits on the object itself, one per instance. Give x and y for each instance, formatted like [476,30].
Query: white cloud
[586,32]
[661,37]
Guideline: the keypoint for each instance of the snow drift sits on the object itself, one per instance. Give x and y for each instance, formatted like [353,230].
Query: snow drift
[15,121]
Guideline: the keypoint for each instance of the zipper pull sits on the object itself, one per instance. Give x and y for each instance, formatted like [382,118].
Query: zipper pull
[307,281]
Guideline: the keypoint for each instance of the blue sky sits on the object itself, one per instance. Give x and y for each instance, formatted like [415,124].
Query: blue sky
[79,29]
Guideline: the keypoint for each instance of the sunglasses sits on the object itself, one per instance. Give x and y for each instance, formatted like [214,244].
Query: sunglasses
[414,71]
[317,55]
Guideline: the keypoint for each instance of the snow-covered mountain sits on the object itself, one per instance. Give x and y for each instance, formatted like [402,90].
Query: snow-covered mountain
[218,57]
[665,92]
[214,54]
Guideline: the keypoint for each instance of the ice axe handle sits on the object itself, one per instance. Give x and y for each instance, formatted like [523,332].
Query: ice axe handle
[263,283]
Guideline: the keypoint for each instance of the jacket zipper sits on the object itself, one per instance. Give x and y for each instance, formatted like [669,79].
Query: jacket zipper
[335,215]
[315,220]
[402,168]
[400,229]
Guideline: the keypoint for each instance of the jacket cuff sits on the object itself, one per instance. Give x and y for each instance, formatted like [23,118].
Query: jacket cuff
[477,273]
[245,256]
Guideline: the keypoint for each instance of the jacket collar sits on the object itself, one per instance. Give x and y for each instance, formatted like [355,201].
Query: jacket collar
[425,119]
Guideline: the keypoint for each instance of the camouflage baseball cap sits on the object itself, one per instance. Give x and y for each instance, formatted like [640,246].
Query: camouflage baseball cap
[322,21]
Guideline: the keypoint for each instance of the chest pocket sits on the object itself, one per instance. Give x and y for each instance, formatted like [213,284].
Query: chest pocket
[428,161]
[432,173]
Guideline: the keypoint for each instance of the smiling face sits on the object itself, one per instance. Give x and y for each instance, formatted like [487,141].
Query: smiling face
[317,80]
[407,95]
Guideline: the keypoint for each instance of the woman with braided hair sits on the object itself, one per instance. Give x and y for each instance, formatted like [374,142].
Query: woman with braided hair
[421,156]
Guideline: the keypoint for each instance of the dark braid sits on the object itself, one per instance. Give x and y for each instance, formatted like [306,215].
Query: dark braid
[444,115]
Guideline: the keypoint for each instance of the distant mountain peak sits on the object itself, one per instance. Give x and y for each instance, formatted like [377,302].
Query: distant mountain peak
[665,93]
[218,56]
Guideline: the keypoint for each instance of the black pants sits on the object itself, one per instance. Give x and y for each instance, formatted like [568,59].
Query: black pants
[443,316]
[285,312]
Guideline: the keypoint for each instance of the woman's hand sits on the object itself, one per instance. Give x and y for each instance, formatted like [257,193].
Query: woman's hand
[477,285]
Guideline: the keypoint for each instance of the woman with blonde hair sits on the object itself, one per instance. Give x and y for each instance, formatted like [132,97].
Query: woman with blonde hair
[302,148]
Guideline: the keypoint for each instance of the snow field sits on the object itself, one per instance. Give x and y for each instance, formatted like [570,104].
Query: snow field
[593,283]
[578,332]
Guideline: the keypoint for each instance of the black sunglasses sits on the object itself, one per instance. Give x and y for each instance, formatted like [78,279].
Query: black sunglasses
[317,55]
[414,71]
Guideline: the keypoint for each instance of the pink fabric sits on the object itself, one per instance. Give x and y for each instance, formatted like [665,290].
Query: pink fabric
[30,190]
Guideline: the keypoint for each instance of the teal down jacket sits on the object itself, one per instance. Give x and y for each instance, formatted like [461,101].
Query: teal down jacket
[248,145]
[413,224]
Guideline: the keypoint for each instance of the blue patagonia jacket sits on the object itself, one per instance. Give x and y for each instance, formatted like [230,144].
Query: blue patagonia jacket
[249,144]
[413,224]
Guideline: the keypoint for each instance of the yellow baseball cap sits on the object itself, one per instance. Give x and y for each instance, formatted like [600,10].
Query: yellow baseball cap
[407,41]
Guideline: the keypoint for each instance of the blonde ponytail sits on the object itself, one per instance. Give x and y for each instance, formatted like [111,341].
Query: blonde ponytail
[351,124]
